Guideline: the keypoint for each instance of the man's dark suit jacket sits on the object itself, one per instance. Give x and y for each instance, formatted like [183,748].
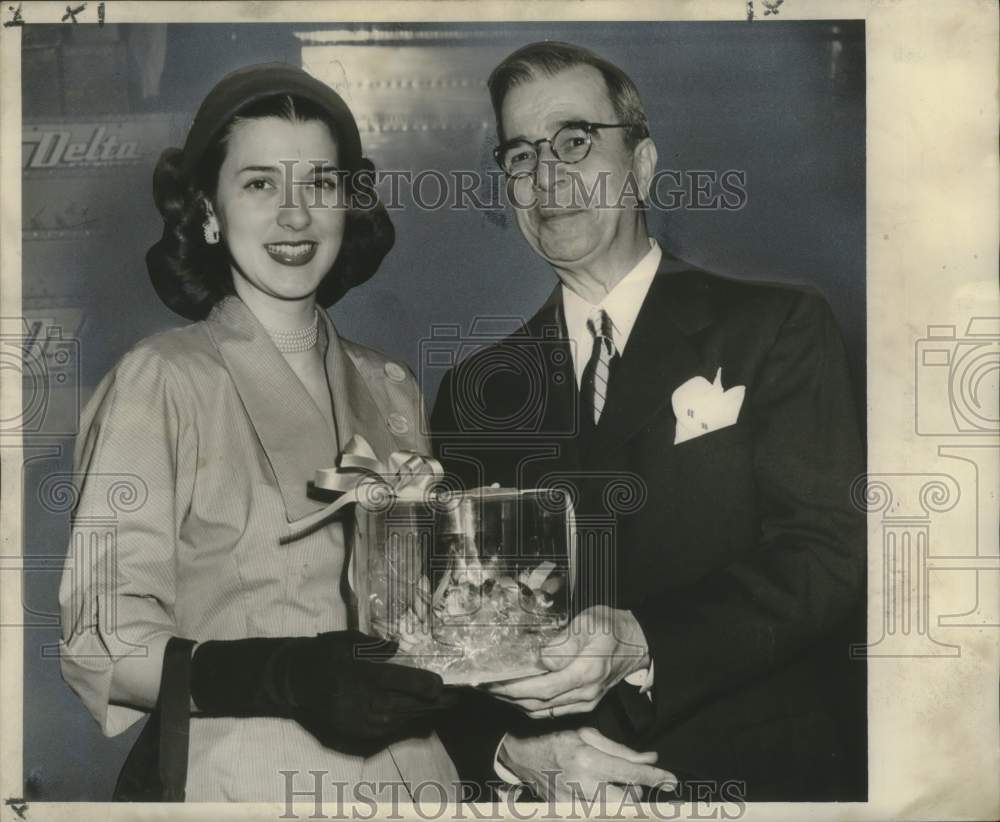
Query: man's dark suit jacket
[742,555]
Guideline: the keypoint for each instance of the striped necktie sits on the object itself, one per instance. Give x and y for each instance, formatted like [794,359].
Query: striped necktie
[597,374]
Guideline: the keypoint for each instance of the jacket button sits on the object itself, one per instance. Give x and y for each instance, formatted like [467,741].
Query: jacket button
[395,372]
[397,423]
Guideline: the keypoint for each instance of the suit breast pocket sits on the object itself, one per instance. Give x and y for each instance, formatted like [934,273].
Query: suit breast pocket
[730,434]
[723,448]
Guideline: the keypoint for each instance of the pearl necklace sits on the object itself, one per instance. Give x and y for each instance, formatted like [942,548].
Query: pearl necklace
[298,340]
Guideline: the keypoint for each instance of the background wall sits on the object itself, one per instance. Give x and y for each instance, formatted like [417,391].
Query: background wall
[783,101]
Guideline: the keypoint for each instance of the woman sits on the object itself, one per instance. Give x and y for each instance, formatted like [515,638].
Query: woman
[218,427]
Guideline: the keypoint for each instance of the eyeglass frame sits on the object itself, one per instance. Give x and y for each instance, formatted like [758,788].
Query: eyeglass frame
[588,129]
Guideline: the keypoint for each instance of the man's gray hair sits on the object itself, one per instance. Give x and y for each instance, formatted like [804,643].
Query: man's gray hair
[551,57]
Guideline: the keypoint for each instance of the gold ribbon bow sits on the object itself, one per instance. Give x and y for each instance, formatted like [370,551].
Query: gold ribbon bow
[361,476]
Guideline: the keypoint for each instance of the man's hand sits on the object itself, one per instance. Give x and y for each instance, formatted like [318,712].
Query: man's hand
[598,650]
[578,763]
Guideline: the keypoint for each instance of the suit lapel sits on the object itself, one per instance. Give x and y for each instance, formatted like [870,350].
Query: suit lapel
[660,355]
[294,434]
[559,419]
[354,407]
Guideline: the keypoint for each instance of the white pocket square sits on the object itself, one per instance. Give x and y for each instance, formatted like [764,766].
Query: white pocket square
[702,407]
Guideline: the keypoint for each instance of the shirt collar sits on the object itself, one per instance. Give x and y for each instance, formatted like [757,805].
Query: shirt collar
[622,305]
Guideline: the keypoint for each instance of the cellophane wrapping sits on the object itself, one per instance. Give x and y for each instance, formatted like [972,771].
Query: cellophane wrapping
[471,585]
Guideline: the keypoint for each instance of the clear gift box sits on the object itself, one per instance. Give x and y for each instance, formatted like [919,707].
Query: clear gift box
[470,584]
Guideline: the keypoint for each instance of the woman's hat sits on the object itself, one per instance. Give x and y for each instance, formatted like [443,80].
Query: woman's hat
[247,85]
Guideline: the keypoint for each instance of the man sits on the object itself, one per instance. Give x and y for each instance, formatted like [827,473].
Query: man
[712,640]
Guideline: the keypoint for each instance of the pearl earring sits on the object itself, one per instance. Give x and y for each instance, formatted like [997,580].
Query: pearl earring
[211,229]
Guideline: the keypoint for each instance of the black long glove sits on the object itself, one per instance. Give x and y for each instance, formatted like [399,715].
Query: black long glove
[336,685]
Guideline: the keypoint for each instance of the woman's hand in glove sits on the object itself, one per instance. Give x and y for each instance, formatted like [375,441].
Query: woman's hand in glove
[337,685]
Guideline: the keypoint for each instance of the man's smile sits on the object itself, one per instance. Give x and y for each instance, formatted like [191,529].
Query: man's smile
[557,213]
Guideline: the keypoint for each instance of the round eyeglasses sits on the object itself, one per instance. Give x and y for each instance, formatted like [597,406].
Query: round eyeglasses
[571,144]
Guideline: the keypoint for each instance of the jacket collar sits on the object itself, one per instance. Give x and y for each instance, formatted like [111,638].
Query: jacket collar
[295,435]
[561,396]
[354,406]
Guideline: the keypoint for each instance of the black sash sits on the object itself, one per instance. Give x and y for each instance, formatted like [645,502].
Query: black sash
[156,767]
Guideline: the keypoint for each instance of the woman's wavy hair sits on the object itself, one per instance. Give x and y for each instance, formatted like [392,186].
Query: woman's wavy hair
[191,276]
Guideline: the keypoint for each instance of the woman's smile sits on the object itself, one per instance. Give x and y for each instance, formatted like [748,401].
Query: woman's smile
[295,253]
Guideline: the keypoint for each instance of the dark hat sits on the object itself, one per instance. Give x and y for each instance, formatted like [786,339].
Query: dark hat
[252,83]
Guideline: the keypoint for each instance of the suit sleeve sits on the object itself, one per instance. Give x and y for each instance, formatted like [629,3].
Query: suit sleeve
[806,572]
[469,452]
[118,586]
